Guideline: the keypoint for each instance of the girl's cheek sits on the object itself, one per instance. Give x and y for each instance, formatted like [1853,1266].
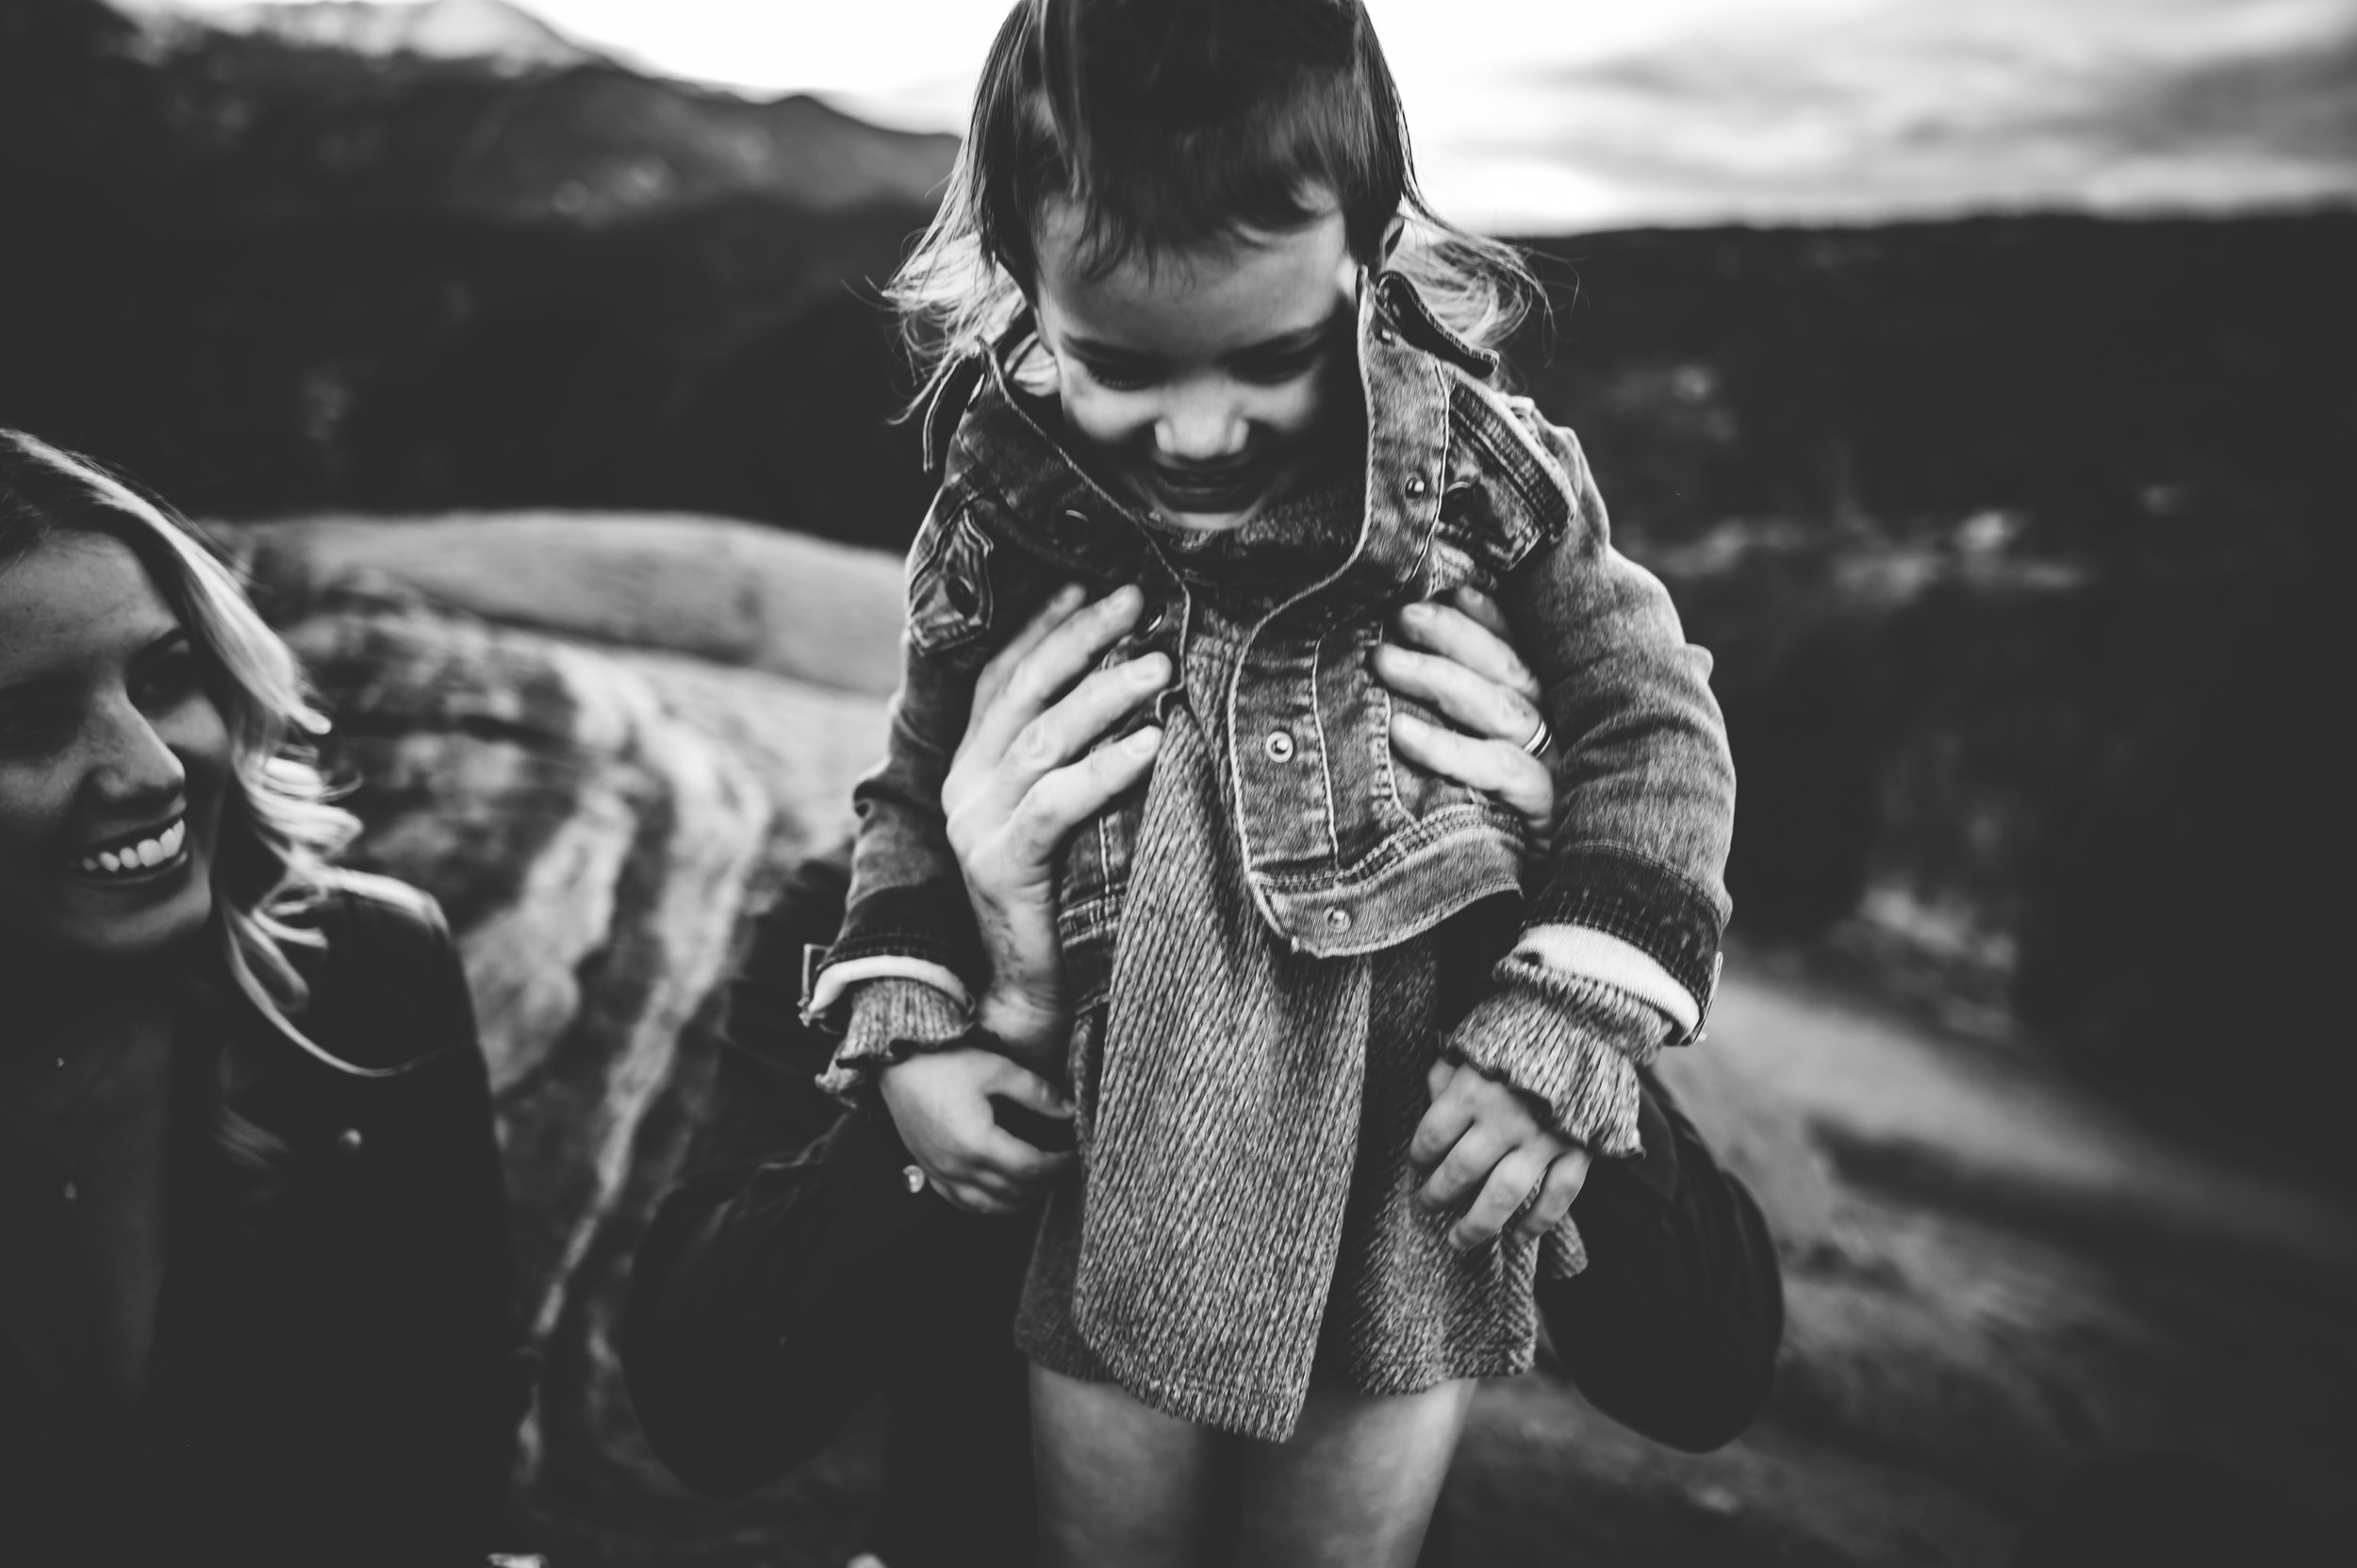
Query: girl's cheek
[1106,421]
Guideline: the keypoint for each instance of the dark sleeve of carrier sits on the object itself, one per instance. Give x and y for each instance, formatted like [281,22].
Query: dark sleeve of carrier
[719,1372]
[1672,1328]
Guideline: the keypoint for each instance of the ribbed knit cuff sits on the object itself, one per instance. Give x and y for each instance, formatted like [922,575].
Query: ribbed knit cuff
[1573,1043]
[889,1018]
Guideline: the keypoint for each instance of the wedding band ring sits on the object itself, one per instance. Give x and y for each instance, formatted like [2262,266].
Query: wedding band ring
[1542,739]
[915,1177]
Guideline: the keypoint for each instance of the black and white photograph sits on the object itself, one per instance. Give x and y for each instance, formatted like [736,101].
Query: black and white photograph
[1176,783]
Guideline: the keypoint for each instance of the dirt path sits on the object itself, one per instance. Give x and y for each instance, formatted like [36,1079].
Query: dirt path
[1990,1278]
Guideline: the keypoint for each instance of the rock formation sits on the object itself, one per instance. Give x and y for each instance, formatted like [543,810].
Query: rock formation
[597,739]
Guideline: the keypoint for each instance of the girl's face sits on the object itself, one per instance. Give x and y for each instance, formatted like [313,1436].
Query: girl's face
[113,760]
[1201,383]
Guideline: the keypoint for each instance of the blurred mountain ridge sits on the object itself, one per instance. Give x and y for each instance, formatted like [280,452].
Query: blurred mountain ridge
[455,107]
[490,30]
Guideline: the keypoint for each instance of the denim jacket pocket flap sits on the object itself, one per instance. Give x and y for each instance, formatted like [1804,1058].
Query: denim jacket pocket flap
[949,590]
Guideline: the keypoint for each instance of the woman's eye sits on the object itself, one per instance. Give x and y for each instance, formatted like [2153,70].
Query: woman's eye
[27,727]
[172,678]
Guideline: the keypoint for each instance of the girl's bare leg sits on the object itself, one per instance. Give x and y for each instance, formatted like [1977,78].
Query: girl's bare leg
[1121,1485]
[1354,1486]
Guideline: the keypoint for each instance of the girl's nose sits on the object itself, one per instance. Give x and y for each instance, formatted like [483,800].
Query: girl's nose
[1204,427]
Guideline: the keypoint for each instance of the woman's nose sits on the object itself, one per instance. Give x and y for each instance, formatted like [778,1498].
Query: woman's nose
[132,761]
[1200,427]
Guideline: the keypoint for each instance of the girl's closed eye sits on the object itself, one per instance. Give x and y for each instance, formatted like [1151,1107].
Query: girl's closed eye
[1117,375]
[1276,368]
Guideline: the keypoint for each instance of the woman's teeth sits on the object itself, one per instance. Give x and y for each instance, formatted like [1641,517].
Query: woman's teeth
[145,855]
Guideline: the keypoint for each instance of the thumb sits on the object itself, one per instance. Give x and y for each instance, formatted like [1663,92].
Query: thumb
[1438,1076]
[1017,1083]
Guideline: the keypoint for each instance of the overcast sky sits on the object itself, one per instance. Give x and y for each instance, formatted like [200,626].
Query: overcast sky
[1550,115]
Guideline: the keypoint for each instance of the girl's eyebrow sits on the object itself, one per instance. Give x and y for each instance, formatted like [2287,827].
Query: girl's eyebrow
[1283,342]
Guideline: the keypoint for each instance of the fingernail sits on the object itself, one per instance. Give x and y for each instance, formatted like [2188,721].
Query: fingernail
[1124,599]
[1144,743]
[1069,595]
[1418,611]
[1149,671]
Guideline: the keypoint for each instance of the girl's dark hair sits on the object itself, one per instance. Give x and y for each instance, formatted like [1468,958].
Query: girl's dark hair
[1171,124]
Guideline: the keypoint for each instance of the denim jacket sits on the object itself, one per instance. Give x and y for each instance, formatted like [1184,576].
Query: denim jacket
[1349,849]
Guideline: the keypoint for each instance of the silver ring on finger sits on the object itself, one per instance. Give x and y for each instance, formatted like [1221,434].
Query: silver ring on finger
[1542,739]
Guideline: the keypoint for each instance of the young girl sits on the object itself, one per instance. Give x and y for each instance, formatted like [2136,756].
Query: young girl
[1198,341]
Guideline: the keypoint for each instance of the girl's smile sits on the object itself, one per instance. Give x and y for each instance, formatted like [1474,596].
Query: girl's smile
[1201,384]
[113,759]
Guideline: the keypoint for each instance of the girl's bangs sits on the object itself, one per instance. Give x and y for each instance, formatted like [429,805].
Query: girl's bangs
[1277,166]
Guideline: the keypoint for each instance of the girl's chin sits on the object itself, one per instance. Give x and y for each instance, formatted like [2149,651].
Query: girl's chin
[1206,522]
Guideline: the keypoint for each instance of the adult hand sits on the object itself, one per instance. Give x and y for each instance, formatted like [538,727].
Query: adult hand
[1456,661]
[1024,777]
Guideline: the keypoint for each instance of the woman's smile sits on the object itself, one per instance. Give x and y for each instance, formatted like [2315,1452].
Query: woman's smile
[114,760]
[139,856]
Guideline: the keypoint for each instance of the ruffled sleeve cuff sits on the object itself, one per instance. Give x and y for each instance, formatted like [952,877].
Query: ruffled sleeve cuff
[891,1019]
[1571,1041]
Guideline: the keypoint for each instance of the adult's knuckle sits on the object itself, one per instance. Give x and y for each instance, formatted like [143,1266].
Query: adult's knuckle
[1036,742]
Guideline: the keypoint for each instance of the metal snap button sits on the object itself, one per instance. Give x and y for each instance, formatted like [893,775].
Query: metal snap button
[1279,746]
[1417,487]
[1073,514]
[349,1141]
[1154,622]
[1338,919]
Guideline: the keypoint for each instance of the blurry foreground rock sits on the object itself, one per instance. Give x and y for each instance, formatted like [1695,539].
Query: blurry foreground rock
[597,739]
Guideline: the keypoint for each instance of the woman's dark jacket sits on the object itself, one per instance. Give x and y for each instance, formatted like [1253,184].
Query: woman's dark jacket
[337,1371]
[791,1276]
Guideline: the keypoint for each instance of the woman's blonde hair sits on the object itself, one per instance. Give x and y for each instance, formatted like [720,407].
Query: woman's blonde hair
[1171,124]
[279,827]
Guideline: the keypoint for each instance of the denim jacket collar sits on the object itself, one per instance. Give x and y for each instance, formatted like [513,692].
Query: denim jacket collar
[1421,383]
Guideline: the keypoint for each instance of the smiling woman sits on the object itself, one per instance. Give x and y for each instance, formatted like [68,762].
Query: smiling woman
[253,1267]
[110,750]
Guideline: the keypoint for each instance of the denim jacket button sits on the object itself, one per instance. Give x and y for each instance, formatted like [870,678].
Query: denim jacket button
[1417,485]
[1279,746]
[1337,920]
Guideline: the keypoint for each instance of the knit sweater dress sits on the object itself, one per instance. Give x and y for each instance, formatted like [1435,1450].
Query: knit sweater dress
[1242,1223]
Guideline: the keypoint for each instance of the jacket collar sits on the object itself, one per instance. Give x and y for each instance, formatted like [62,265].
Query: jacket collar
[996,450]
